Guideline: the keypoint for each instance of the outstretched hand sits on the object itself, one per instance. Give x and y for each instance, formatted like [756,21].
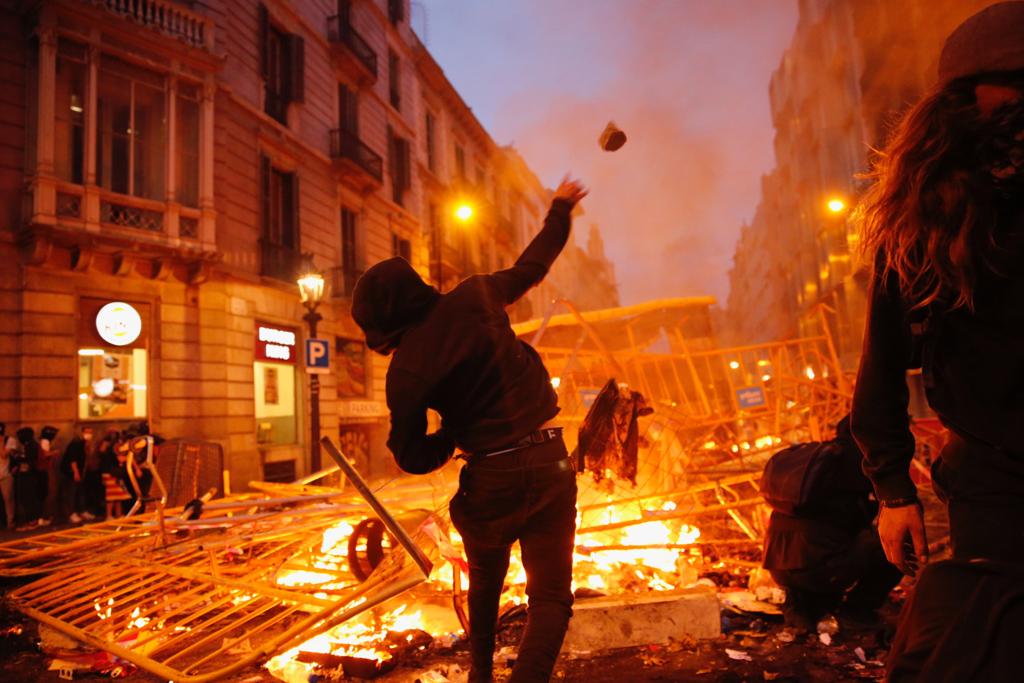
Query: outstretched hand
[571,190]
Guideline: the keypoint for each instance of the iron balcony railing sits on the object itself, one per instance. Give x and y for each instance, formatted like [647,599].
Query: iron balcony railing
[343,281]
[279,262]
[340,31]
[346,145]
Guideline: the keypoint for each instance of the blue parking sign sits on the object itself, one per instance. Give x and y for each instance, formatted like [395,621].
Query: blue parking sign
[318,356]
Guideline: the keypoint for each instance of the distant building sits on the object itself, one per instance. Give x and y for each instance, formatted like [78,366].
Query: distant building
[183,162]
[851,69]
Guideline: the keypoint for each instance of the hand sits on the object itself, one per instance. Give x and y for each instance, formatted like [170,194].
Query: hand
[894,526]
[571,190]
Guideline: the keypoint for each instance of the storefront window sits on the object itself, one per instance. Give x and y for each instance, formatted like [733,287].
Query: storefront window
[350,361]
[111,384]
[113,360]
[274,377]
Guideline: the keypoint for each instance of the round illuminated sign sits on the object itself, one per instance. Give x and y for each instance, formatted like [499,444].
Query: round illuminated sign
[118,323]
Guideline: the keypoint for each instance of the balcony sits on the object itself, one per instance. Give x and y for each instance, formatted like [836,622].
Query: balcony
[167,17]
[352,49]
[343,281]
[279,262]
[355,161]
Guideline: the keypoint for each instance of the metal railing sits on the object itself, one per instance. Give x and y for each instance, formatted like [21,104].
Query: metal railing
[341,32]
[346,145]
[279,262]
[343,281]
[169,18]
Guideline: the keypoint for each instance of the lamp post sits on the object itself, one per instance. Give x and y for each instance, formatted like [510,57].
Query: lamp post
[311,292]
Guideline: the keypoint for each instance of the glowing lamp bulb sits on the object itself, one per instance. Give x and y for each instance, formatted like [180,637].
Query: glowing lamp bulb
[464,212]
[734,365]
[836,205]
[556,382]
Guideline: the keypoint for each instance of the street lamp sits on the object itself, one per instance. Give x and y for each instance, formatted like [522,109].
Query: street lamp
[311,293]
[836,205]
[464,211]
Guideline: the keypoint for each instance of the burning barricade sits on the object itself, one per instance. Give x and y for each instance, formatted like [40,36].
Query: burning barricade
[319,580]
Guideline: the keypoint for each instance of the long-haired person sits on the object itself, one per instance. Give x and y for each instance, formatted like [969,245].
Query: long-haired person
[944,223]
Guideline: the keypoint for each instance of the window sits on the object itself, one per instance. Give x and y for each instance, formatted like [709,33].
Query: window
[280,228]
[398,166]
[349,256]
[111,383]
[348,110]
[480,181]
[69,135]
[187,145]
[431,143]
[352,369]
[460,162]
[401,247]
[394,80]
[396,11]
[274,385]
[282,66]
[130,155]
[112,359]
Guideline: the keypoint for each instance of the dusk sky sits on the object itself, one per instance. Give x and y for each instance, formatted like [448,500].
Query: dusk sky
[687,80]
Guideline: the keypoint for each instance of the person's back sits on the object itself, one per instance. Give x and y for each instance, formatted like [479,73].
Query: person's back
[457,354]
[489,387]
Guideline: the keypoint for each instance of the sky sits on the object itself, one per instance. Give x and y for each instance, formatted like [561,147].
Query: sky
[687,80]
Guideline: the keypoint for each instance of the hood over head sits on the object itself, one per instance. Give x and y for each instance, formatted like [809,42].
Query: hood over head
[388,299]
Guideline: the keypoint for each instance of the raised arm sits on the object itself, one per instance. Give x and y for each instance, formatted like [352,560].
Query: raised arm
[535,261]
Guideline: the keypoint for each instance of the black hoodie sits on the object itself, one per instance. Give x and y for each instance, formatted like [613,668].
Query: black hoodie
[457,354]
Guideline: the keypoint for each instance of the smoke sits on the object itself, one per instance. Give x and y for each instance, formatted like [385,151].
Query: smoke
[687,82]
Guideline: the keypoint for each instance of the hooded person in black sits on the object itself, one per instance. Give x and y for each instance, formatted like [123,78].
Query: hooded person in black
[457,354]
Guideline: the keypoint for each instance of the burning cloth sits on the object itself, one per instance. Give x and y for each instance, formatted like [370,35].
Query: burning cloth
[610,436]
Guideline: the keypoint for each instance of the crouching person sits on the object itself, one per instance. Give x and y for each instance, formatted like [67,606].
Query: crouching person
[456,353]
[821,544]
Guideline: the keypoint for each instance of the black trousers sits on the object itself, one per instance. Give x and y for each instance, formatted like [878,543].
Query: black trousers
[859,579]
[529,496]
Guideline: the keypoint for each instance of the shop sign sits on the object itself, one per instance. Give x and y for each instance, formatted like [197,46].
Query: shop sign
[118,323]
[362,409]
[275,344]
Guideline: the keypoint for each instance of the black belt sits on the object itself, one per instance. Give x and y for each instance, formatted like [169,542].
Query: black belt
[542,435]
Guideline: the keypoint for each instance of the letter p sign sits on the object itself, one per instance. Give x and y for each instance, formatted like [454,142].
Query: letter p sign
[318,356]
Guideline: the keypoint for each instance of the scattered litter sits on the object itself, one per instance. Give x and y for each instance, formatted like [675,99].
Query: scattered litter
[859,651]
[771,675]
[432,677]
[738,655]
[828,625]
[785,637]
[825,638]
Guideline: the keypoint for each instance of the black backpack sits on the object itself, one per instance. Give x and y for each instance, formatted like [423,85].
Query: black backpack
[798,479]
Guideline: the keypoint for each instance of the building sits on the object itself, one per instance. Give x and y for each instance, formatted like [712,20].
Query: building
[851,69]
[169,168]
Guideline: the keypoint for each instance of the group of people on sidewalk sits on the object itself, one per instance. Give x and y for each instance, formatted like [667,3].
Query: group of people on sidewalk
[42,483]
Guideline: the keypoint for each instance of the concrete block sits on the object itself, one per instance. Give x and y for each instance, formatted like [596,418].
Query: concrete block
[651,618]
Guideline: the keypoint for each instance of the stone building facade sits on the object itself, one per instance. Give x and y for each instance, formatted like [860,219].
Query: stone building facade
[167,169]
[851,69]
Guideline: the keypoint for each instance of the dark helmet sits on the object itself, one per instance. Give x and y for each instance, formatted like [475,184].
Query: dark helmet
[48,432]
[26,435]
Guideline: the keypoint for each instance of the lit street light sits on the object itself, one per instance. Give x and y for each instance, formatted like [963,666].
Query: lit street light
[836,205]
[464,212]
[311,293]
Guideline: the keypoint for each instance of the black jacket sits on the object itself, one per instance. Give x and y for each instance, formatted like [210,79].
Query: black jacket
[973,366]
[457,354]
